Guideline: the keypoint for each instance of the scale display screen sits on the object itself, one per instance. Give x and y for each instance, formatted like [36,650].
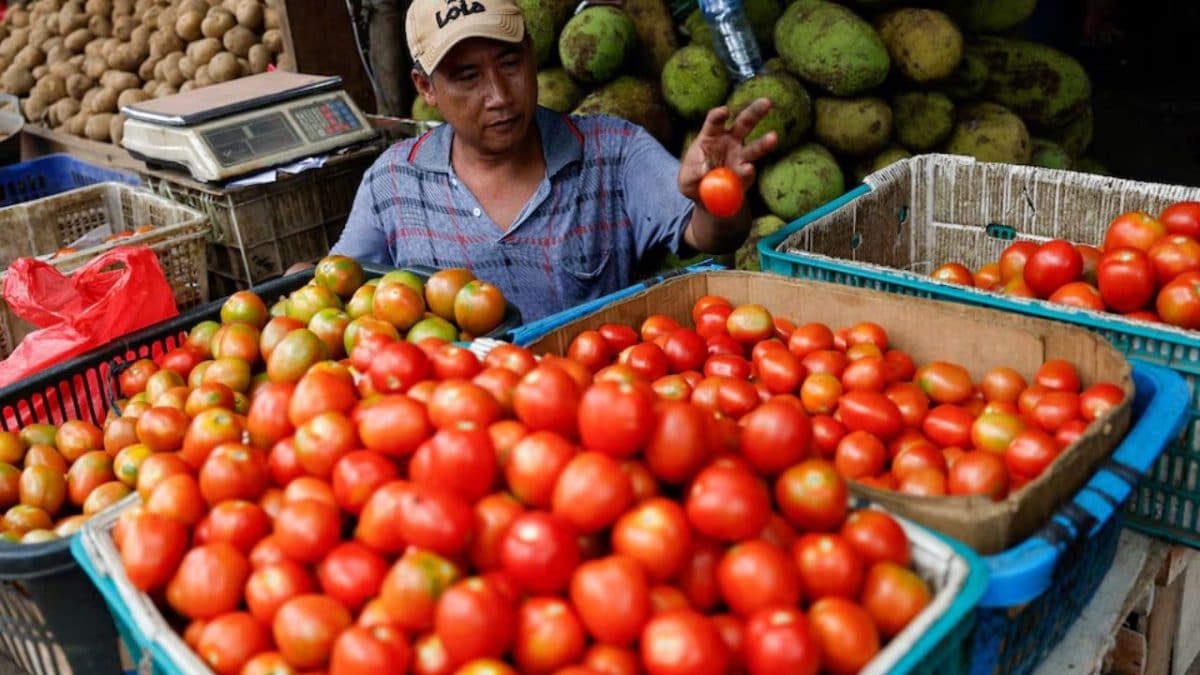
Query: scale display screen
[325,119]
[243,141]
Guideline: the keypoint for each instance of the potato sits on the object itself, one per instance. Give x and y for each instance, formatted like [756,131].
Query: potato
[76,124]
[78,85]
[238,40]
[109,45]
[284,62]
[95,66]
[123,27]
[125,57]
[164,42]
[34,109]
[64,69]
[203,79]
[223,67]
[122,8]
[165,89]
[150,17]
[40,72]
[193,6]
[187,68]
[249,13]
[96,127]
[271,18]
[148,69]
[78,39]
[131,97]
[50,88]
[15,42]
[187,26]
[101,26]
[71,18]
[103,102]
[187,86]
[116,129]
[38,35]
[217,22]
[119,81]
[99,7]
[30,57]
[230,5]
[62,111]
[202,51]
[259,58]
[172,74]
[150,87]
[95,47]
[58,54]
[140,38]
[166,19]
[273,40]
[17,16]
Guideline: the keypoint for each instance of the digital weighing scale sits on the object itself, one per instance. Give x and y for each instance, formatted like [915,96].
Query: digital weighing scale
[245,125]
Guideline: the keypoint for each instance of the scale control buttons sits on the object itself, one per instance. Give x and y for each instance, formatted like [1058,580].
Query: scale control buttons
[325,119]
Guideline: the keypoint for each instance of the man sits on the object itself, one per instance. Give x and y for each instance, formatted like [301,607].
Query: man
[552,209]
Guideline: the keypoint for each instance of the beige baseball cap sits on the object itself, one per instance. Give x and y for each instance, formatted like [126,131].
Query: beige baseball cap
[433,27]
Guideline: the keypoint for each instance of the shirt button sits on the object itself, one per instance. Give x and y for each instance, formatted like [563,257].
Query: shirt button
[476,212]
[454,182]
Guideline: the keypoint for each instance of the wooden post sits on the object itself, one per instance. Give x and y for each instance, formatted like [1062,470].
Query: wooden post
[319,36]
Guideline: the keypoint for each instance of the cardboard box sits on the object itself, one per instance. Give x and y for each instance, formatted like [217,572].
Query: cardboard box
[974,337]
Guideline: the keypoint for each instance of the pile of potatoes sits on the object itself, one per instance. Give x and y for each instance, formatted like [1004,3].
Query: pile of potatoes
[74,63]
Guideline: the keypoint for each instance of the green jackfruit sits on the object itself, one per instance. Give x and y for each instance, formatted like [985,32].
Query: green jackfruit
[694,81]
[424,112]
[922,120]
[790,116]
[557,91]
[1076,136]
[655,31]
[539,22]
[1049,154]
[990,16]
[868,166]
[968,79]
[631,98]
[852,126]
[802,180]
[746,257]
[990,132]
[831,46]
[1043,85]
[595,44]
[924,44]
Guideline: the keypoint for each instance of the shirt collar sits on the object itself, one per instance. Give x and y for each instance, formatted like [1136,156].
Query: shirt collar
[562,143]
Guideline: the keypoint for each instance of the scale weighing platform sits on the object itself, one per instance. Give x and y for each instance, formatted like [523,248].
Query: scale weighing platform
[245,125]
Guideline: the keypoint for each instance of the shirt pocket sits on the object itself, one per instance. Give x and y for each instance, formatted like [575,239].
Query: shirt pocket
[584,258]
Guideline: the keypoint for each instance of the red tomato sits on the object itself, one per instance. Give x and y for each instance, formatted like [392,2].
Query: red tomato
[679,443]
[394,424]
[1057,375]
[322,441]
[954,273]
[1013,259]
[396,366]
[846,633]
[1173,255]
[949,426]
[643,482]
[614,418]
[271,585]
[1079,294]
[750,323]
[728,365]
[474,620]
[865,374]
[511,357]
[871,412]
[1030,453]
[685,350]
[1178,302]
[618,336]
[410,591]
[591,349]
[238,522]
[547,398]
[754,575]
[457,403]
[1051,266]
[609,660]
[1002,384]
[994,431]
[352,574]
[912,403]
[705,302]
[944,382]
[893,595]
[151,548]
[534,465]
[431,518]
[918,456]
[877,536]
[979,472]
[308,529]
[592,492]
[459,460]
[810,338]
[827,433]
[1091,258]
[357,475]
[1056,409]
[493,516]
[672,387]
[612,598]
[898,366]
[825,361]
[683,642]
[712,320]
[1182,218]
[375,649]
[780,641]
[727,502]
[658,325]
[924,482]
[820,393]
[829,565]
[1070,432]
[647,360]
[227,642]
[657,535]
[812,496]
[539,552]
[774,437]
[860,455]
[1126,279]
[1098,399]
[1136,229]
[208,581]
[549,636]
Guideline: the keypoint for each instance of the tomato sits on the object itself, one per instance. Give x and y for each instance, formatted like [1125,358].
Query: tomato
[610,660]
[865,374]
[682,642]
[642,481]
[240,523]
[954,273]
[547,398]
[944,382]
[1126,278]
[1030,453]
[43,487]
[812,496]
[820,393]
[713,320]
[754,575]
[706,302]
[723,344]
[352,574]
[308,529]
[615,419]
[461,461]
[1173,255]
[994,431]
[23,518]
[208,581]
[846,633]
[871,412]
[655,326]
[1091,258]
[728,365]
[357,475]
[655,533]
[979,472]
[474,620]
[273,584]
[86,473]
[549,636]
[1057,375]
[268,663]
[479,307]
[673,387]
[612,597]
[811,337]
[877,536]
[273,333]
[949,426]
[646,359]
[539,551]
[1079,294]
[308,487]
[306,627]
[1013,260]
[780,641]
[412,587]
[235,341]
[161,429]
[591,492]
[511,357]
[365,650]
[1055,409]
[1098,399]
[893,595]
[429,656]
[750,323]
[1070,432]
[917,457]
[685,350]
[618,336]
[591,349]
[151,549]
[825,361]
[987,276]
[1178,302]
[1002,384]
[722,193]
[727,502]
[394,425]
[534,465]
[133,379]
[774,437]
[827,433]
[859,455]
[1136,229]
[230,640]
[1182,218]
[421,515]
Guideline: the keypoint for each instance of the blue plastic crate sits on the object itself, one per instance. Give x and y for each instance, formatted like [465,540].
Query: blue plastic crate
[891,232]
[52,174]
[1038,588]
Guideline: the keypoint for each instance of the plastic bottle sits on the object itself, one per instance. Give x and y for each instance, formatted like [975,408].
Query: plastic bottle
[732,37]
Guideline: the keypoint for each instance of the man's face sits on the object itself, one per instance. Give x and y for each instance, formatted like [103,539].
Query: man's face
[486,90]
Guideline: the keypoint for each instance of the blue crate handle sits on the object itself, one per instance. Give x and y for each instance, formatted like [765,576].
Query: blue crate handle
[1160,409]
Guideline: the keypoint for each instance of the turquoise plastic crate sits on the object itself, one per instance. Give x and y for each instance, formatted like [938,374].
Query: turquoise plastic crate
[891,232]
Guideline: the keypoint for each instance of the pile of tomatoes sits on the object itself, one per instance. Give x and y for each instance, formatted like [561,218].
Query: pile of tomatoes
[413,508]
[1147,269]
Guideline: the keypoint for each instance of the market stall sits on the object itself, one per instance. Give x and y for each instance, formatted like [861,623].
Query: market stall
[942,416]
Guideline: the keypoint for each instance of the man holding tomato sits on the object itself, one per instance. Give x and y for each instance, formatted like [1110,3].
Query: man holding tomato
[554,209]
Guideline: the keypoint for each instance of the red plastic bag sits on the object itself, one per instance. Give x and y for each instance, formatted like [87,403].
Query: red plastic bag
[85,310]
